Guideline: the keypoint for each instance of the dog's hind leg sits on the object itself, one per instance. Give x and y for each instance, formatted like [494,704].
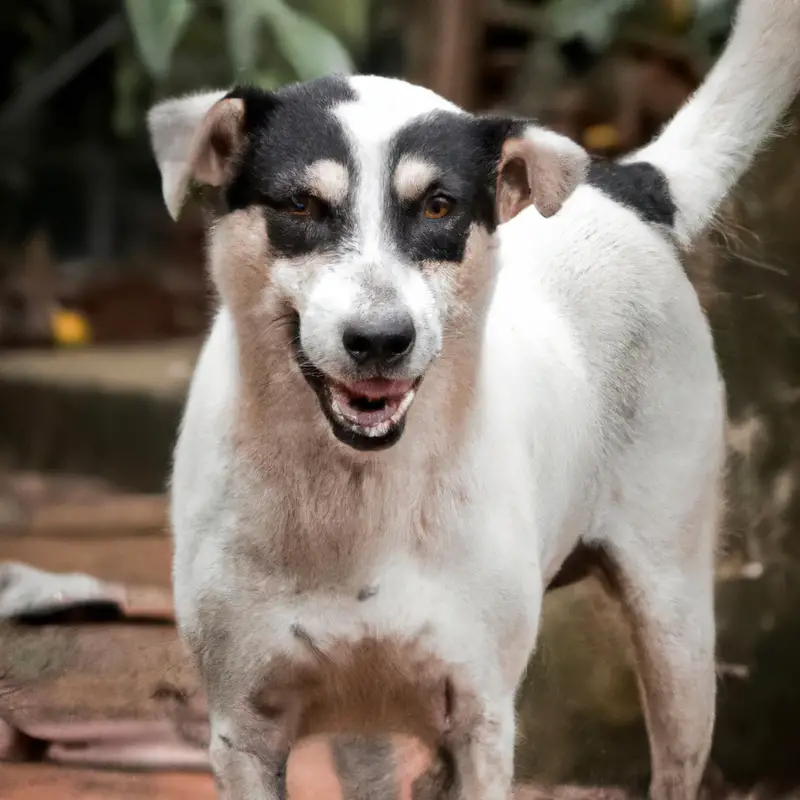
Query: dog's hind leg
[665,585]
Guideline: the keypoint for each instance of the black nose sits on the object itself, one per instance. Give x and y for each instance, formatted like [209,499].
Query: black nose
[384,341]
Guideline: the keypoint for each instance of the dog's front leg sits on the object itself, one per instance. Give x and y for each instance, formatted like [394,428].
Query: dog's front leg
[248,756]
[481,743]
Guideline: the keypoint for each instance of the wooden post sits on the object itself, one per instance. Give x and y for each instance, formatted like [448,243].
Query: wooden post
[446,47]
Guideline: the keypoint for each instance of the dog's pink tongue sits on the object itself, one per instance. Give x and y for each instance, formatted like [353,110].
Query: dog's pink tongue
[387,395]
[376,388]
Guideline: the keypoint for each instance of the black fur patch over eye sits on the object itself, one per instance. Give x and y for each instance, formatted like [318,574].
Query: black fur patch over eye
[464,151]
[288,131]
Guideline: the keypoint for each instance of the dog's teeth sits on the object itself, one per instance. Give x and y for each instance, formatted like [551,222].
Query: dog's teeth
[380,429]
[403,407]
[336,408]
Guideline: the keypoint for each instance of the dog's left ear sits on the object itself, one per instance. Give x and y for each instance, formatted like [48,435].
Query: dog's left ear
[537,167]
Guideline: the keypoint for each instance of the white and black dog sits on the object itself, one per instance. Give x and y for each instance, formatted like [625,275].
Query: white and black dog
[451,353]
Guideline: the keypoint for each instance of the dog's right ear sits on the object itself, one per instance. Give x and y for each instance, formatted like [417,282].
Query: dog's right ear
[195,140]
[538,167]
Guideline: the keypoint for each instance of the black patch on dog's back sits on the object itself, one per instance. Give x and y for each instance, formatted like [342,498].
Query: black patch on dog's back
[287,131]
[640,186]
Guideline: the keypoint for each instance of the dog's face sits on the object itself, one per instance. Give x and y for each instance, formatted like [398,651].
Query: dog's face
[372,203]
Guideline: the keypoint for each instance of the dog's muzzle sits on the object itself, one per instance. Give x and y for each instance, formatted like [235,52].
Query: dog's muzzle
[369,413]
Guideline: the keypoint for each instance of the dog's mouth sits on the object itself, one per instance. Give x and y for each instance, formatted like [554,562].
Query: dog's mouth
[374,409]
[366,414]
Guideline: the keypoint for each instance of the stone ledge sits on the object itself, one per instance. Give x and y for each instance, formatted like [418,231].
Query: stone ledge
[112,412]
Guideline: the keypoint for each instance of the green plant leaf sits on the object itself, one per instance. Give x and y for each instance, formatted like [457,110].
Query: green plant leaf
[157,25]
[348,20]
[268,79]
[713,6]
[127,114]
[712,18]
[243,23]
[312,50]
[594,21]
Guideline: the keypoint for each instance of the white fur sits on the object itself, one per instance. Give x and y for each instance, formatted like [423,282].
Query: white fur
[712,140]
[596,415]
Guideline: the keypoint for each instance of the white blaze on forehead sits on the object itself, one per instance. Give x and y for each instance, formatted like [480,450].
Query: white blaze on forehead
[391,103]
[413,176]
[384,106]
[328,180]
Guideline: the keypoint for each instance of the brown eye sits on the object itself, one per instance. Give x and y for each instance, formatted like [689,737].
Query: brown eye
[437,207]
[299,205]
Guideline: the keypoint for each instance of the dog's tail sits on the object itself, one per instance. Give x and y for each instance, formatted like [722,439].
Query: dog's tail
[712,140]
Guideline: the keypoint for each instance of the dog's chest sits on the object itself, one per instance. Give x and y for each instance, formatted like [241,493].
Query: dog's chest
[401,607]
[451,577]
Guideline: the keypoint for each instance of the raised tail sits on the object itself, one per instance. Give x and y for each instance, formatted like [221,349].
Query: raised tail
[712,140]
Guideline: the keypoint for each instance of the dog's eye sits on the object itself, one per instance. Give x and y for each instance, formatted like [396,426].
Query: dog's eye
[300,205]
[304,205]
[437,206]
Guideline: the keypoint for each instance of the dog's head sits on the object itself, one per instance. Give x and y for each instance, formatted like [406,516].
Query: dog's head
[362,210]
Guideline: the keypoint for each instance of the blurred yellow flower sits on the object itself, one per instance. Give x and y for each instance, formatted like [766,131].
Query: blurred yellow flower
[70,327]
[600,137]
[680,12]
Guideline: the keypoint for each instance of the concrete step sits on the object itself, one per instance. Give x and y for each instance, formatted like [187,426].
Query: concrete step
[107,411]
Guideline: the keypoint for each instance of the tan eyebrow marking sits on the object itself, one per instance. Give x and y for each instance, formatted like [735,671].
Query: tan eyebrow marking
[328,180]
[413,176]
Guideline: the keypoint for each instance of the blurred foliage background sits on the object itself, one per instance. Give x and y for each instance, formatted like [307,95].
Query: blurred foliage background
[77,77]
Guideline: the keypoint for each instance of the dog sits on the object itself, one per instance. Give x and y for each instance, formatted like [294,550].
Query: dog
[452,355]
